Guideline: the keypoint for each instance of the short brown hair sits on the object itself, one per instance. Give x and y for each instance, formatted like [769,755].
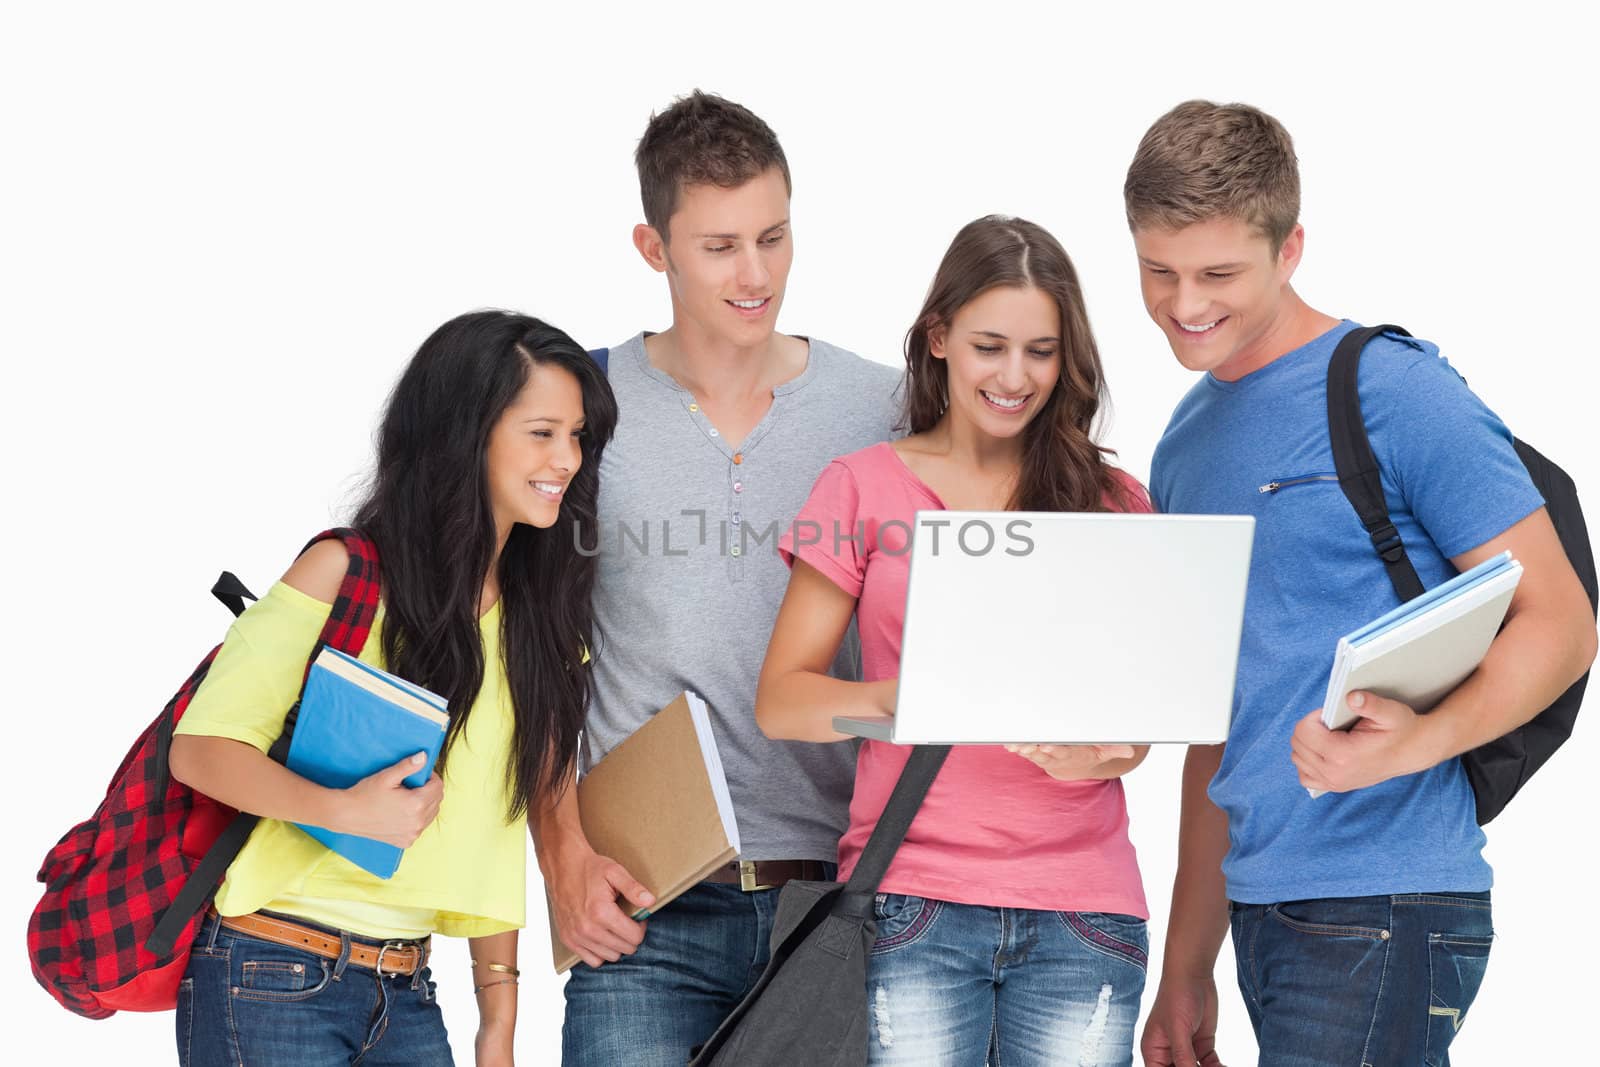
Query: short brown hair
[1203,161]
[702,139]
[1063,468]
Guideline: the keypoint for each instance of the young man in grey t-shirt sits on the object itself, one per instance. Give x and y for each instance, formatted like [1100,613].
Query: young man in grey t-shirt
[724,426]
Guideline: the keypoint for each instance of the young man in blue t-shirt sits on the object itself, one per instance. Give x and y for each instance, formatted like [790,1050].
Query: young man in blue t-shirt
[1361,918]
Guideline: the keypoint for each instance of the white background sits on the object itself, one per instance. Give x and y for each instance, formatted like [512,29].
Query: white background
[226,229]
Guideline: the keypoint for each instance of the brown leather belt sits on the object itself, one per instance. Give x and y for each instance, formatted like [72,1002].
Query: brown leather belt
[390,957]
[751,875]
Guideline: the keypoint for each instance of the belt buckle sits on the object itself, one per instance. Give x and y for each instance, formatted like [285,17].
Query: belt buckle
[387,946]
[747,877]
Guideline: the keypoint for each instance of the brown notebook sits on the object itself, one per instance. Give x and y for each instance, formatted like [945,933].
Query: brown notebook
[658,804]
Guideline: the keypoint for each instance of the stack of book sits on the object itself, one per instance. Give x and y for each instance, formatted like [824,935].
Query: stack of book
[354,721]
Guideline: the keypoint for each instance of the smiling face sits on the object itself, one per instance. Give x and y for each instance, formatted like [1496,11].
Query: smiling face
[535,449]
[1002,353]
[727,260]
[1217,290]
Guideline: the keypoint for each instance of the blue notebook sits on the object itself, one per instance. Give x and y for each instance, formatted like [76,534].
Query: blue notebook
[354,721]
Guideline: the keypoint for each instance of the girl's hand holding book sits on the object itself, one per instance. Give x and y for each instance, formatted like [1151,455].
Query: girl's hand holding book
[381,806]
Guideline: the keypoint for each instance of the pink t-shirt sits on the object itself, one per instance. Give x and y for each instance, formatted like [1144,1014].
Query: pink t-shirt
[995,829]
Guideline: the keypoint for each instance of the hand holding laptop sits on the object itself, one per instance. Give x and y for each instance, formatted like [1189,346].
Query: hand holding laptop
[1078,763]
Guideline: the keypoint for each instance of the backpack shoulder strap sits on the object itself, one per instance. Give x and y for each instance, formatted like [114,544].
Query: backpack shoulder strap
[601,356]
[1357,467]
[356,603]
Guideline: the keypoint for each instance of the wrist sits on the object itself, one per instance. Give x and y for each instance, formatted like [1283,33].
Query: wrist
[324,807]
[559,846]
[1181,962]
[887,690]
[1432,742]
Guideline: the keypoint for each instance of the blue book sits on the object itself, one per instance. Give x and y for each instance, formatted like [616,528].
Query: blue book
[354,721]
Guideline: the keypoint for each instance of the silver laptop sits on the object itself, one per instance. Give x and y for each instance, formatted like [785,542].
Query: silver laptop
[1072,628]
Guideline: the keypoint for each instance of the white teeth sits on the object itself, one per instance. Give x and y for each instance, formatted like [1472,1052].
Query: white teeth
[1012,402]
[1202,328]
[553,488]
[748,304]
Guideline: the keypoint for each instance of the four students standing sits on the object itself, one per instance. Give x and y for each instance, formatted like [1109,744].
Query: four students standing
[516,582]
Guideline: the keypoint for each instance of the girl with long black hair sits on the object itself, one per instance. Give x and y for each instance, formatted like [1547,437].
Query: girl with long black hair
[486,480]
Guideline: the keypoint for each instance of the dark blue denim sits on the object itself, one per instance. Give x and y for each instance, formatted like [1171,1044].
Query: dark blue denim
[701,954]
[1381,981]
[244,1000]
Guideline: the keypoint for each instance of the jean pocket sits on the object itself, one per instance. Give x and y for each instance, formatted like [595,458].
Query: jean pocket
[1456,964]
[900,920]
[291,976]
[1122,937]
[1334,918]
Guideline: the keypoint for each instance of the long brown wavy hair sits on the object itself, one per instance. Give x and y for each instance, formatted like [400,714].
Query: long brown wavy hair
[1063,469]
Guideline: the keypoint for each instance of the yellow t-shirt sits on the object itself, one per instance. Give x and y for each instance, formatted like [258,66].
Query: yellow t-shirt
[464,876]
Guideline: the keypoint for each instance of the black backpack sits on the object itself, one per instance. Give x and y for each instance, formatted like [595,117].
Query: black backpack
[1498,769]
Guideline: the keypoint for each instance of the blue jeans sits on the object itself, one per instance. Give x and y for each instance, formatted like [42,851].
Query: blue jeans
[701,954]
[1361,980]
[244,1000]
[955,983]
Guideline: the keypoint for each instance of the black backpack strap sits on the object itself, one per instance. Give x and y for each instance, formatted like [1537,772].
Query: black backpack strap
[916,778]
[232,592]
[347,627]
[602,357]
[1357,467]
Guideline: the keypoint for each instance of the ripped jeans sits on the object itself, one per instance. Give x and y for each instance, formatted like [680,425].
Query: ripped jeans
[959,983]
[1361,980]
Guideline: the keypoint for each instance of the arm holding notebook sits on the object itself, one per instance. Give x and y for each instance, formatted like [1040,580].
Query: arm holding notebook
[1547,643]
[380,806]
[583,885]
[242,776]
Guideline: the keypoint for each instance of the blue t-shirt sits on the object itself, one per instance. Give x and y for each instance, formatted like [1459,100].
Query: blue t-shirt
[1259,446]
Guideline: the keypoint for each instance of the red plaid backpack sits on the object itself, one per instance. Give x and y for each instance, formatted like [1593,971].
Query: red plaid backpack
[125,890]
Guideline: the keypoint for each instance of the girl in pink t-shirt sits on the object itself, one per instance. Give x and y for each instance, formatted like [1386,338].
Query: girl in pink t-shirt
[1011,923]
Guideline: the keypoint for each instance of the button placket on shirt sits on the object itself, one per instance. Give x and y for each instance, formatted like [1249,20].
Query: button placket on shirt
[735,512]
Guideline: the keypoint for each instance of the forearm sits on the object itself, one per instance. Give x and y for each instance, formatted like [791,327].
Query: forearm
[799,705]
[496,985]
[557,829]
[1532,661]
[243,777]
[1199,916]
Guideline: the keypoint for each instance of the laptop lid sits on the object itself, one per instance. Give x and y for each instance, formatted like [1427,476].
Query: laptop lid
[1100,628]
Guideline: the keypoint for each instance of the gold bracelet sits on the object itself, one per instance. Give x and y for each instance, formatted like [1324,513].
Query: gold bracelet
[486,985]
[503,968]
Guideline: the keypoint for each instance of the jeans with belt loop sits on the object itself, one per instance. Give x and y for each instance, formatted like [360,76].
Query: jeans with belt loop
[245,1000]
[1372,981]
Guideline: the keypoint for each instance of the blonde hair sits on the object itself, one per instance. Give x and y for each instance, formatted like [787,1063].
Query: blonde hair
[1203,161]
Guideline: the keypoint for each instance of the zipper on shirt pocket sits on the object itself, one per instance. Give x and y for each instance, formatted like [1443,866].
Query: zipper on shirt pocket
[1273,487]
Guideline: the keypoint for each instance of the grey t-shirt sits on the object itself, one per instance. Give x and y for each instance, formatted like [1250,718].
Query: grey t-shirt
[689,578]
